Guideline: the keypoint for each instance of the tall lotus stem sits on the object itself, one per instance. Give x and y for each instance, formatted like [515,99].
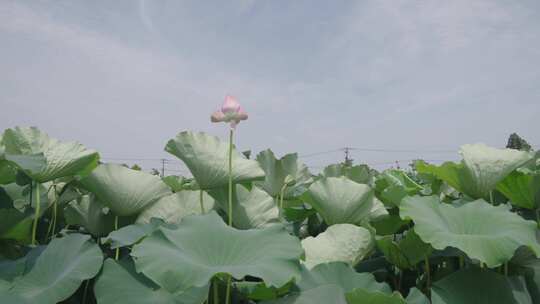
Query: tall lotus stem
[201,201]
[215,292]
[281,194]
[428,275]
[228,293]
[36,214]
[117,251]
[230,211]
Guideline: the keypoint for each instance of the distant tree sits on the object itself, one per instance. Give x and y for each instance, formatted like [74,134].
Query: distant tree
[154,171]
[124,165]
[136,167]
[516,142]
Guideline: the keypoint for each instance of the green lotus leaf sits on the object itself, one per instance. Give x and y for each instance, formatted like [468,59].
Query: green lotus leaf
[17,219]
[528,265]
[125,191]
[481,169]
[475,286]
[339,243]
[405,254]
[365,296]
[15,225]
[393,185]
[522,188]
[132,234]
[11,298]
[389,224]
[59,270]
[340,274]
[259,291]
[251,208]
[277,171]
[361,174]
[490,234]
[7,173]
[340,201]
[416,297]
[88,212]
[203,246]
[172,208]
[119,283]
[178,183]
[44,158]
[321,295]
[208,160]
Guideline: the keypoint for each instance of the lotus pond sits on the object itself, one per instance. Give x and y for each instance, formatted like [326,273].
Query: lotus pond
[74,229]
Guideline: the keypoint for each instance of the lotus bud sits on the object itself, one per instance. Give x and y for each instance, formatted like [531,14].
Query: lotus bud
[231,112]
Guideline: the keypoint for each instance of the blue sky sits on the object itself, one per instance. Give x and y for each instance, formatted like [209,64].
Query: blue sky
[125,76]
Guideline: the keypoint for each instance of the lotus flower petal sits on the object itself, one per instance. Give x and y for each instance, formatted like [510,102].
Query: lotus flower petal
[231,112]
[230,105]
[217,116]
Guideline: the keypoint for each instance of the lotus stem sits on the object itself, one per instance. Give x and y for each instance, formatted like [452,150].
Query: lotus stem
[201,201]
[230,211]
[85,291]
[491,197]
[53,220]
[228,293]
[461,262]
[215,292]
[117,251]
[282,193]
[538,217]
[36,214]
[428,275]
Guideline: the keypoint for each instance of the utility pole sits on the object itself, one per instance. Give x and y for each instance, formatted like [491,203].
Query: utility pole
[348,160]
[163,160]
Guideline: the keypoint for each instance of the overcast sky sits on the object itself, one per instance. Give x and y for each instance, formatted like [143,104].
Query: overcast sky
[123,77]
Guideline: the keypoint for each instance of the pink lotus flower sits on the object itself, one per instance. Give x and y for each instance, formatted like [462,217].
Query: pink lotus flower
[231,112]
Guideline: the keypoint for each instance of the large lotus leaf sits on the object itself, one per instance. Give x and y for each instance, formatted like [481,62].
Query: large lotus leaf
[474,286]
[60,270]
[259,291]
[522,188]
[404,254]
[172,208]
[208,160]
[7,173]
[484,232]
[321,295]
[416,297]
[393,185]
[88,212]
[178,183]
[251,208]
[480,171]
[277,170]
[339,243]
[15,225]
[44,158]
[11,298]
[340,274]
[131,234]
[203,246]
[340,200]
[529,266]
[365,296]
[125,191]
[119,283]
[361,174]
